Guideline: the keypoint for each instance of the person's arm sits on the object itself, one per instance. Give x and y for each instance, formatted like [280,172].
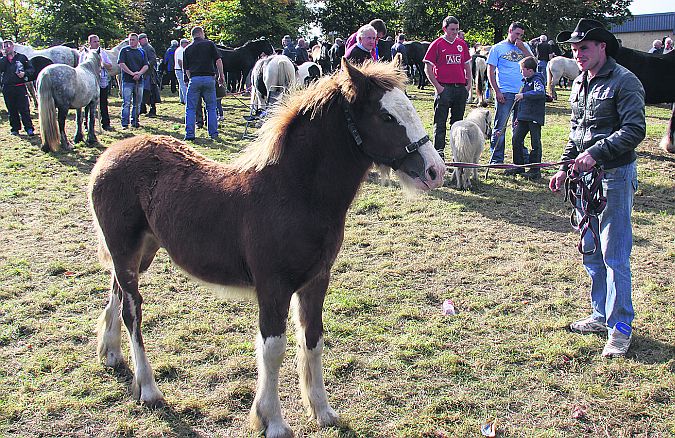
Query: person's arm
[221,75]
[630,108]
[468,74]
[523,48]
[429,71]
[492,77]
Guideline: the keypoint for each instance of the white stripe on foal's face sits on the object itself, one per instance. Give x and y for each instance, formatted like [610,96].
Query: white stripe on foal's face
[396,103]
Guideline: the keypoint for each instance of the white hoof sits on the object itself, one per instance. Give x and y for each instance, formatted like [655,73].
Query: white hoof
[327,418]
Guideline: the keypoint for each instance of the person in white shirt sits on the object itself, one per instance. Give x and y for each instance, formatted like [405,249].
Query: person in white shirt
[178,69]
[106,65]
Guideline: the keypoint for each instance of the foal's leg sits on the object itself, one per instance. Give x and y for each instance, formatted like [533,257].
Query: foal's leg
[109,329]
[270,349]
[143,386]
[309,334]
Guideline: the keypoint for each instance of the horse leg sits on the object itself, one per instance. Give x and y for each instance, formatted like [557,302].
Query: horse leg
[78,121]
[309,335]
[668,140]
[109,329]
[65,144]
[270,349]
[91,122]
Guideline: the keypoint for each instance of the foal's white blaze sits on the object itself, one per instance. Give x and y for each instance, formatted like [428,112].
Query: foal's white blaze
[398,105]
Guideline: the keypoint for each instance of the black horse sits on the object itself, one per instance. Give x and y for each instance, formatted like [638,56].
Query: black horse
[657,74]
[238,62]
[416,51]
[335,54]
[384,50]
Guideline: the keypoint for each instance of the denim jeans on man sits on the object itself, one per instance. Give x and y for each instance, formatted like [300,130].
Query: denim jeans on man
[609,267]
[452,99]
[201,87]
[132,96]
[502,113]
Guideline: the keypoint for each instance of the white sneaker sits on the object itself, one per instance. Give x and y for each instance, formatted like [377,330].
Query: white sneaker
[588,325]
[617,344]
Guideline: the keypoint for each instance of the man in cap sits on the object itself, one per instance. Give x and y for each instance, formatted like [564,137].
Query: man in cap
[169,63]
[607,124]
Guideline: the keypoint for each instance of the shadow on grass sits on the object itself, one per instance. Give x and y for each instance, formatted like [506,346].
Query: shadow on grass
[177,421]
[650,351]
[657,157]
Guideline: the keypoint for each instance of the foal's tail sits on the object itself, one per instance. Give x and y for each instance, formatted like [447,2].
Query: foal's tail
[103,253]
[49,126]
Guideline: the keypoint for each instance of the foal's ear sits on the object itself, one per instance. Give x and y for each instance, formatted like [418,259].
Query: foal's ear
[356,84]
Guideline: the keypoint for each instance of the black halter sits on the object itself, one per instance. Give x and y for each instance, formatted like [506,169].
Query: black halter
[395,162]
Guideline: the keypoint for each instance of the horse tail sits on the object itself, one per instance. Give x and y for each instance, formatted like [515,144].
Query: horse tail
[549,79]
[286,74]
[104,256]
[49,126]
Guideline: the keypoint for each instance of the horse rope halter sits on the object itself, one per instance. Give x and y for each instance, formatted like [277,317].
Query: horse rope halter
[584,191]
[394,163]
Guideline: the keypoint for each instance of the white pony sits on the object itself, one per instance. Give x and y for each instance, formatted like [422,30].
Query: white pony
[61,87]
[560,67]
[58,54]
[271,76]
[307,73]
[467,139]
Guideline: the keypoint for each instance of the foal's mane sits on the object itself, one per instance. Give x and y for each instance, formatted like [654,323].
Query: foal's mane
[314,100]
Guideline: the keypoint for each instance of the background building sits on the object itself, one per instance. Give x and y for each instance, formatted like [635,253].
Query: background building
[640,31]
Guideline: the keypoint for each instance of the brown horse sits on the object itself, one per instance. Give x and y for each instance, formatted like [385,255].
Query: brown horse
[271,223]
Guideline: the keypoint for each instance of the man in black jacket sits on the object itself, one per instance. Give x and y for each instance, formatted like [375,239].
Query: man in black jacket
[16,70]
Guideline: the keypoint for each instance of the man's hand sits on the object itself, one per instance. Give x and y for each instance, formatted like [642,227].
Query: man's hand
[519,97]
[557,181]
[439,89]
[499,96]
[21,74]
[520,44]
[584,162]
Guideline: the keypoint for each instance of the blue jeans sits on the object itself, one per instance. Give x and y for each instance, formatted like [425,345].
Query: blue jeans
[182,88]
[131,91]
[201,87]
[518,142]
[609,267]
[502,113]
[541,68]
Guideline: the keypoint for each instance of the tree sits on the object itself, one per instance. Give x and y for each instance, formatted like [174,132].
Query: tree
[161,20]
[15,19]
[58,21]
[234,22]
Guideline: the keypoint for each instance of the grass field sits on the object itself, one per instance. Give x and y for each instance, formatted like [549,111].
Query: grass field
[394,366]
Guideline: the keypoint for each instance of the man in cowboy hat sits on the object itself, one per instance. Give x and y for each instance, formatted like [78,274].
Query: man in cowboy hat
[607,124]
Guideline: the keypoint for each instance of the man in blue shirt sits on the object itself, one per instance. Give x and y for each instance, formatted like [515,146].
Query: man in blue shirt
[134,64]
[506,80]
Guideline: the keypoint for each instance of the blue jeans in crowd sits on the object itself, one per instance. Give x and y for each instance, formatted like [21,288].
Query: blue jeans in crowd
[502,113]
[182,88]
[201,87]
[541,68]
[132,92]
[518,141]
[609,267]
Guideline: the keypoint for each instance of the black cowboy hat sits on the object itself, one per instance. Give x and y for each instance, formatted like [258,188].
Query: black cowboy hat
[588,29]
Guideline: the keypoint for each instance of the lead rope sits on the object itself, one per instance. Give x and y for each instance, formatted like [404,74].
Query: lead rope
[584,191]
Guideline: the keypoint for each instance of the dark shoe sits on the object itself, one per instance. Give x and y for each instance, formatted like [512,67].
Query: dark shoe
[125,127]
[513,171]
[532,174]
[152,113]
[30,132]
[215,137]
[108,128]
[136,125]
[186,138]
[14,132]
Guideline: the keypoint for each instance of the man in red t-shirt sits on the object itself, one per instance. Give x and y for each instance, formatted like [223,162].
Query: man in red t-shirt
[447,64]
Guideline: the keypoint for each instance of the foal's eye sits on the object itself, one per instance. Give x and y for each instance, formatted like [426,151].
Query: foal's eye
[388,117]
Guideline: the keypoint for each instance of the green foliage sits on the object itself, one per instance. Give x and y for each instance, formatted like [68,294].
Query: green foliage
[14,19]
[73,20]
[234,22]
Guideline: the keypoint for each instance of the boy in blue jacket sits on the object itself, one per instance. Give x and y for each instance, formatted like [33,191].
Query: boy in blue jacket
[528,116]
